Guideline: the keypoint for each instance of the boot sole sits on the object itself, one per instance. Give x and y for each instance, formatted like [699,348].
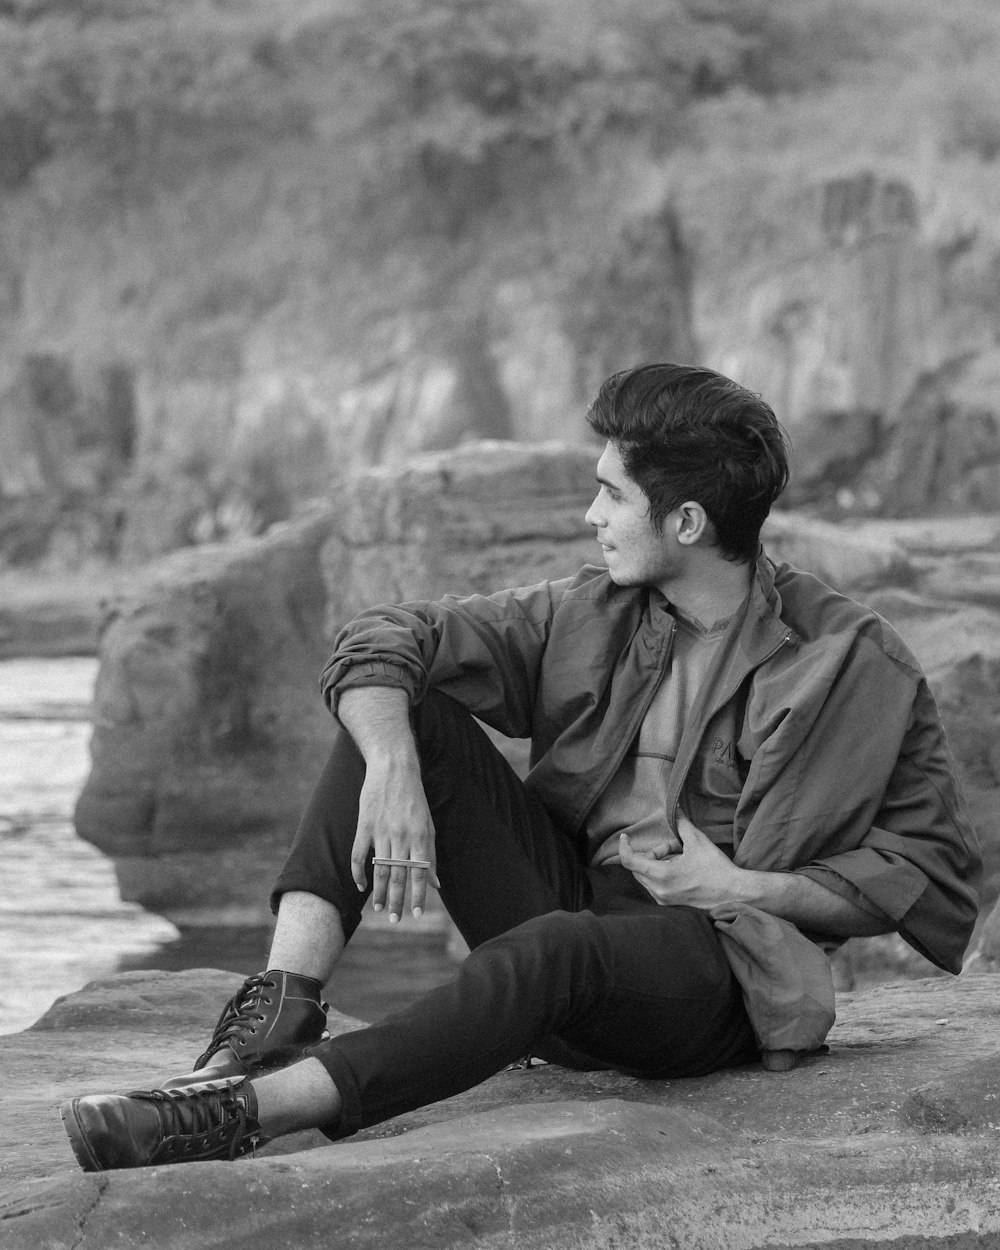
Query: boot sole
[78,1138]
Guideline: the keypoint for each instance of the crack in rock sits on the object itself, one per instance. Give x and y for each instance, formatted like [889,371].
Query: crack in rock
[504,1197]
[16,1215]
[102,1187]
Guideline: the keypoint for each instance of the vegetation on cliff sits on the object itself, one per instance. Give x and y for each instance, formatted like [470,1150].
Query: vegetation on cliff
[246,245]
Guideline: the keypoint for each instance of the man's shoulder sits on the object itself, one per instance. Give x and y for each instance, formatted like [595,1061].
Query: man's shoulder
[819,613]
[592,582]
[589,584]
[589,593]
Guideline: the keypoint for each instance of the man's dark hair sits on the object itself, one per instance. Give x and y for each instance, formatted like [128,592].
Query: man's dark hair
[685,433]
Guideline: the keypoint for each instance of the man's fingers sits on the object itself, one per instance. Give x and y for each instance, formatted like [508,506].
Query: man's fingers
[418,890]
[641,863]
[420,879]
[688,831]
[359,860]
[380,885]
[397,891]
[630,857]
[392,879]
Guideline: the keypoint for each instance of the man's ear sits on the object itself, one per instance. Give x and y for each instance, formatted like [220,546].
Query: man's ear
[692,523]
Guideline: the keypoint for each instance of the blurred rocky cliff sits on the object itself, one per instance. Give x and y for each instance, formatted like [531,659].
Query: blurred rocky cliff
[248,247]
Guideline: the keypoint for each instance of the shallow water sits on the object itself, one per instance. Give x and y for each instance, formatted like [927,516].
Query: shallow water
[62,922]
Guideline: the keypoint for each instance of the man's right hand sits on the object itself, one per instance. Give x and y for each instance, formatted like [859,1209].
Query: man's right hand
[394,821]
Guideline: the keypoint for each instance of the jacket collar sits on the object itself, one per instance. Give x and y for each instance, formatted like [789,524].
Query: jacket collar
[764,628]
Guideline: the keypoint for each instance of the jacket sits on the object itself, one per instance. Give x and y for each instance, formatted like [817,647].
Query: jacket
[844,768]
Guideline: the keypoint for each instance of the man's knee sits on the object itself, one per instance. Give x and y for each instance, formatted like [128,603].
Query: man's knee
[437,717]
[560,928]
[558,940]
[678,945]
[457,757]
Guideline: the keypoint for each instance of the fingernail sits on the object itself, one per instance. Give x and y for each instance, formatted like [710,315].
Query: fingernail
[376,906]
[361,888]
[417,913]
[393,918]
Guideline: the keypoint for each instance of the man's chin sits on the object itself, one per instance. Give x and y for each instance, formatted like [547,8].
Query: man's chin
[621,577]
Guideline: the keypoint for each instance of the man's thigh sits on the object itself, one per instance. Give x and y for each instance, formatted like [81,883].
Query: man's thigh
[670,1005]
[501,858]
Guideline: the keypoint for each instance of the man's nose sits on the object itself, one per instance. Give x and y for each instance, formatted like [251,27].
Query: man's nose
[591,516]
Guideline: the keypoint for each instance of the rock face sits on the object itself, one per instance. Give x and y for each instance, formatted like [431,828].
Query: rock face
[887,1140]
[852,561]
[861,328]
[478,519]
[310,241]
[208,726]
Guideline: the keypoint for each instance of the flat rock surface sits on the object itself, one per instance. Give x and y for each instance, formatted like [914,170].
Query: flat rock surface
[54,614]
[888,1139]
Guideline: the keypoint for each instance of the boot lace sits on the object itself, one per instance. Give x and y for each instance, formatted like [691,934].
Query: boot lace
[239,1016]
[211,1122]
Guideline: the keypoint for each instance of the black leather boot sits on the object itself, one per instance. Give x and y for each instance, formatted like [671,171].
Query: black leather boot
[270,1022]
[146,1128]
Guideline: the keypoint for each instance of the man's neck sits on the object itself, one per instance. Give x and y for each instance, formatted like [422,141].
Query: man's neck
[710,592]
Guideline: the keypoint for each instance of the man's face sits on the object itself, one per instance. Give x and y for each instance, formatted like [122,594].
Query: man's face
[635,553]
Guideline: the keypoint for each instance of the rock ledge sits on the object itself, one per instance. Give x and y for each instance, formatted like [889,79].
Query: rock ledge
[889,1139]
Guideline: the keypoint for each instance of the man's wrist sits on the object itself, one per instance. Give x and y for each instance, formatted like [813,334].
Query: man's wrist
[765,890]
[399,756]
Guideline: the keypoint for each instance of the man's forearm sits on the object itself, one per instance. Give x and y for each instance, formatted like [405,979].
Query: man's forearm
[394,821]
[807,904]
[702,876]
[378,720]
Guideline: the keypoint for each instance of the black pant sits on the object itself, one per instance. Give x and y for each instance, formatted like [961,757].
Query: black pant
[574,964]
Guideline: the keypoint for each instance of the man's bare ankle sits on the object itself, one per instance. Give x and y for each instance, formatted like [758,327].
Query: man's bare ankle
[308,936]
[299,1097]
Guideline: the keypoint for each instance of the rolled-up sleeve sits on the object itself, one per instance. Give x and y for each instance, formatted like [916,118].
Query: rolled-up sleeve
[367,673]
[484,651]
[920,862]
[881,883]
[867,805]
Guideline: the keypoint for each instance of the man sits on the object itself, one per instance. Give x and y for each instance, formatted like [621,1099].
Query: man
[726,757]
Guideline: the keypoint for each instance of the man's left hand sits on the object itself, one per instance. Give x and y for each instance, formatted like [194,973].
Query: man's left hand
[700,875]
